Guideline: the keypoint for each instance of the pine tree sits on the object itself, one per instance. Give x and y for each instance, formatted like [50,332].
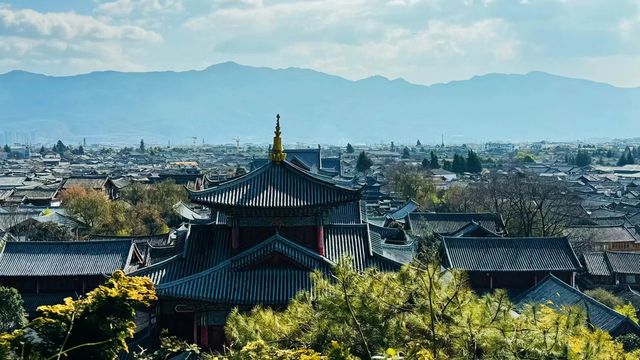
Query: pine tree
[350,149]
[80,150]
[434,161]
[426,164]
[630,160]
[458,166]
[7,149]
[418,143]
[42,150]
[623,160]
[583,158]
[446,165]
[474,165]
[393,146]
[405,153]
[141,145]
[364,163]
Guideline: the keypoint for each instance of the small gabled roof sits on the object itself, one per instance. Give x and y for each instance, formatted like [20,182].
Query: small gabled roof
[556,293]
[510,254]
[275,185]
[65,258]
[89,182]
[406,209]
[243,280]
[596,264]
[449,223]
[624,262]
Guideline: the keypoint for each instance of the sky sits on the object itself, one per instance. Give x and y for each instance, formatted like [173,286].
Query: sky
[422,41]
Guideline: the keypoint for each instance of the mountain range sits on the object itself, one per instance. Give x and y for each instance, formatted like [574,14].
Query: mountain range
[229,100]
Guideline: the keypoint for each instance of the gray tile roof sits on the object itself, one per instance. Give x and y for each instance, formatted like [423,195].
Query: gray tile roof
[242,279]
[275,185]
[64,258]
[449,223]
[556,293]
[509,254]
[86,182]
[596,264]
[624,262]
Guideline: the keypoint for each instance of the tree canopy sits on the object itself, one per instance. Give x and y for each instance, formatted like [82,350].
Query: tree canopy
[12,314]
[364,163]
[350,149]
[419,312]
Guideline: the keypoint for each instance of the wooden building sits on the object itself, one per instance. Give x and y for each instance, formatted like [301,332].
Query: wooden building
[510,263]
[280,223]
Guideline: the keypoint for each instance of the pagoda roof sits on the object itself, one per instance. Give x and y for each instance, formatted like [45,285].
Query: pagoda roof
[276,185]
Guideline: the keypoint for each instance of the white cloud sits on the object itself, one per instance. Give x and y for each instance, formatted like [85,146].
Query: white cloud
[60,41]
[68,26]
[146,7]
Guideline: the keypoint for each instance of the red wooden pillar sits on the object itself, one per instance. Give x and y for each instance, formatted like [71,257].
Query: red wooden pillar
[195,328]
[235,237]
[320,239]
[204,336]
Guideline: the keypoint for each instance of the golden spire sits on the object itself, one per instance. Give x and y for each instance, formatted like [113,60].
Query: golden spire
[277,151]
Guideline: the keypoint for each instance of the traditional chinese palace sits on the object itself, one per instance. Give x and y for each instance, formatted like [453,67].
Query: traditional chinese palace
[272,227]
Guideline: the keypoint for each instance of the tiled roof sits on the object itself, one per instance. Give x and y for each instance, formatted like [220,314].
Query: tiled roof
[449,223]
[86,182]
[275,185]
[556,293]
[596,264]
[348,214]
[66,258]
[600,233]
[405,210]
[623,262]
[510,254]
[242,279]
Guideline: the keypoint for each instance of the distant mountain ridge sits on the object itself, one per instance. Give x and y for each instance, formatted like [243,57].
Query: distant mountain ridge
[229,100]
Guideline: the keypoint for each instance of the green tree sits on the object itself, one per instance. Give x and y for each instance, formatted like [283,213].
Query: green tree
[7,149]
[42,231]
[434,161]
[583,158]
[458,166]
[142,148]
[406,153]
[60,147]
[393,146]
[426,164]
[42,150]
[364,163]
[411,182]
[474,165]
[418,143]
[95,327]
[419,312]
[88,205]
[12,314]
[350,149]
[605,297]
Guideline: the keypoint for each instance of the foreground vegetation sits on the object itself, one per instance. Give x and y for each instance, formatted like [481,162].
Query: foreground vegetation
[416,313]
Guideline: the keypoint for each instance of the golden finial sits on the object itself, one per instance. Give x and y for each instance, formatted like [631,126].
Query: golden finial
[277,151]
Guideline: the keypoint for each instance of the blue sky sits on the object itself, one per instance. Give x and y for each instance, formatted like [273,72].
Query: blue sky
[422,41]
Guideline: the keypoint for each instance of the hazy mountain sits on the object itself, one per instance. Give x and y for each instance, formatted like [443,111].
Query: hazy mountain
[229,100]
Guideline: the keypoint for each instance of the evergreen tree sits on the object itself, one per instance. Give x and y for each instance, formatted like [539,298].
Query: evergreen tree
[583,158]
[141,145]
[393,146]
[426,164]
[418,143]
[350,149]
[59,147]
[405,153]
[609,153]
[630,160]
[623,160]
[364,163]
[80,150]
[7,149]
[446,165]
[42,150]
[474,164]
[458,166]
[434,161]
